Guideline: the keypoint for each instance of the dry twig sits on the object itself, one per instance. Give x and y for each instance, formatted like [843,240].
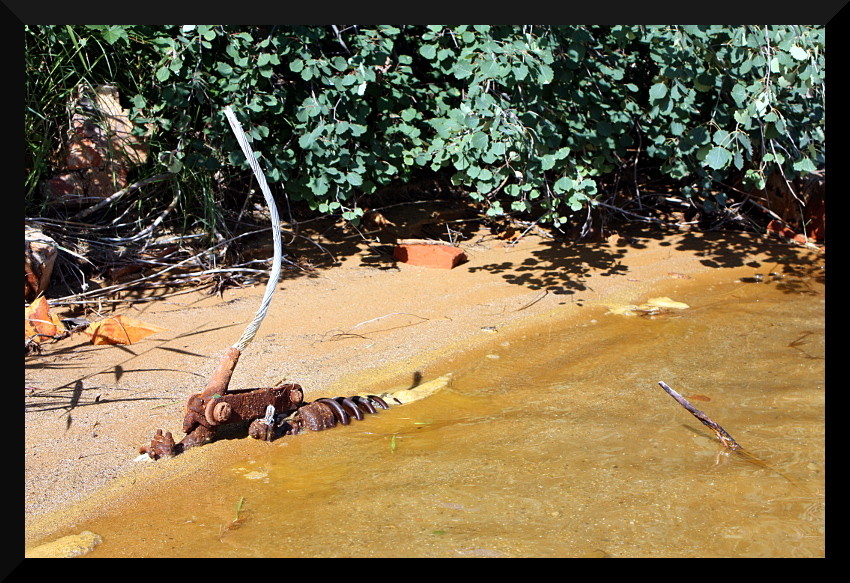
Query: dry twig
[728,442]
[721,433]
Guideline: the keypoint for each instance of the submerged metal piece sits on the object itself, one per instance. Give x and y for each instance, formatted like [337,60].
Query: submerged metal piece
[341,414]
[351,407]
[379,401]
[364,404]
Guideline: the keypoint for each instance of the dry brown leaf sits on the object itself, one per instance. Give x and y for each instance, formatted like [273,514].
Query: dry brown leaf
[120,330]
[39,322]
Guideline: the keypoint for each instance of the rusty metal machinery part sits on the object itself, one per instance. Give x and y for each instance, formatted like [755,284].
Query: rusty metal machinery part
[261,430]
[321,414]
[161,445]
[217,412]
[272,412]
[364,404]
[341,414]
[205,412]
[378,401]
[317,416]
[245,405]
[351,407]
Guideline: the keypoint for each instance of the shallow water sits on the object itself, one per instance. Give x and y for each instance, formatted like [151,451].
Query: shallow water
[555,443]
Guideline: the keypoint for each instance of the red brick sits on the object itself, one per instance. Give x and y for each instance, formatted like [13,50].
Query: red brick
[441,256]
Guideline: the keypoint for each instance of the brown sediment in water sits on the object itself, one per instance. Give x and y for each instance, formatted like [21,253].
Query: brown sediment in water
[354,324]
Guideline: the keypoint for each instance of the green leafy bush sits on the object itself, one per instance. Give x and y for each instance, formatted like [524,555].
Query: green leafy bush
[527,119]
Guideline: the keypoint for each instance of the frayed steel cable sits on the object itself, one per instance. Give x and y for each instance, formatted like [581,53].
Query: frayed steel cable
[274,275]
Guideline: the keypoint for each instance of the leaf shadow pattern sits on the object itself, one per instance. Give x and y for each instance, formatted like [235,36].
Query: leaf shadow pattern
[563,267]
[77,395]
[560,267]
[719,249]
[85,390]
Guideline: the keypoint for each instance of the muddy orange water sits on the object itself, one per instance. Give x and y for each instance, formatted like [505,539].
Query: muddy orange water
[554,441]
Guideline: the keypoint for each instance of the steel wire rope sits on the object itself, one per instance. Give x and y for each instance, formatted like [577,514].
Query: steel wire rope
[274,275]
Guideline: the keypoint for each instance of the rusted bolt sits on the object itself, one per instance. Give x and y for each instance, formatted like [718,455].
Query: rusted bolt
[161,446]
[217,412]
[261,430]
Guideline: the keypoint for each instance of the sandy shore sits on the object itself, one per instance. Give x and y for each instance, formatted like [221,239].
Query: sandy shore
[365,320]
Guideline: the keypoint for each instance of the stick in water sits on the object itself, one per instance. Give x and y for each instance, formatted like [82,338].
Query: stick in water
[724,437]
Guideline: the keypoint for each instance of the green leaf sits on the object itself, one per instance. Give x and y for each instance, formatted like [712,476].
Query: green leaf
[308,140]
[207,32]
[479,140]
[720,137]
[162,74]
[339,63]
[113,34]
[742,117]
[799,53]
[774,65]
[738,160]
[545,74]
[354,179]
[739,94]
[356,129]
[320,186]
[576,201]
[703,82]
[563,185]
[755,179]
[495,209]
[489,68]
[520,72]
[805,165]
[718,158]
[657,91]
[428,51]
[462,69]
